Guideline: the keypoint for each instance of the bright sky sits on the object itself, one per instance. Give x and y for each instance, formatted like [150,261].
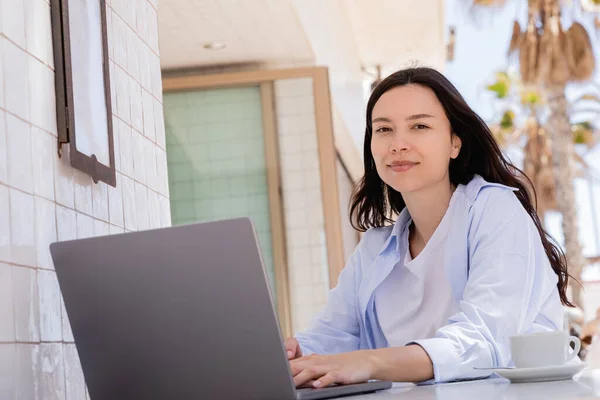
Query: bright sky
[481,44]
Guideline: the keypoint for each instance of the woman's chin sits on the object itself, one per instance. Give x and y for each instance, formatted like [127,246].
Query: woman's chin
[406,185]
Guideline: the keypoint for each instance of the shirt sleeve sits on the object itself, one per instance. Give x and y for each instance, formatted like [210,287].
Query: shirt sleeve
[510,281]
[336,328]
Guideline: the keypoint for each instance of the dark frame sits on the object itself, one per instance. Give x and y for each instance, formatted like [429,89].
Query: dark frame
[64,95]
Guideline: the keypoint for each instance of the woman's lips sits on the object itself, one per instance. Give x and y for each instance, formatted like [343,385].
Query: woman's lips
[402,166]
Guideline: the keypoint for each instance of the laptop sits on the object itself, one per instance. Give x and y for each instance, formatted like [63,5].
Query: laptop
[179,313]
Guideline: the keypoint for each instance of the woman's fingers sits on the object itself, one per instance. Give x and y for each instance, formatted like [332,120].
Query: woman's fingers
[310,373]
[328,379]
[292,349]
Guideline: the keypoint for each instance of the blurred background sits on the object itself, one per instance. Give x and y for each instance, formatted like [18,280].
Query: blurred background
[227,108]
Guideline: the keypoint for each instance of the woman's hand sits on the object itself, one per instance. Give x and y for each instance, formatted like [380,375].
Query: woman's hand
[292,348]
[324,370]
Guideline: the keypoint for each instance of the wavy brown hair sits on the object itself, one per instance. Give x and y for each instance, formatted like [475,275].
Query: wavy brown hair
[374,202]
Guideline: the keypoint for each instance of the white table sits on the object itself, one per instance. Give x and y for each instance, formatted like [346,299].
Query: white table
[584,385]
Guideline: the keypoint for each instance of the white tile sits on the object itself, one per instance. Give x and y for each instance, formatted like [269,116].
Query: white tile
[298,256]
[297,124]
[113,87]
[116,142]
[320,294]
[83,192]
[293,181]
[45,231]
[142,19]
[109,32]
[15,77]
[300,276]
[3,145]
[311,179]
[156,76]
[43,154]
[135,99]
[119,40]
[23,250]
[320,275]
[292,162]
[133,58]
[141,202]
[75,382]
[299,237]
[148,115]
[85,226]
[165,211]
[50,313]
[114,230]
[122,88]
[100,201]
[287,106]
[4,224]
[316,236]
[162,172]
[154,209]
[27,371]
[310,160]
[52,372]
[126,148]
[27,306]
[101,228]
[139,162]
[129,206]
[153,28]
[7,327]
[296,219]
[145,74]
[18,138]
[150,160]
[66,223]
[305,106]
[66,324]
[63,180]
[316,218]
[42,96]
[115,202]
[8,369]
[293,87]
[12,21]
[302,293]
[159,124]
[128,12]
[1,70]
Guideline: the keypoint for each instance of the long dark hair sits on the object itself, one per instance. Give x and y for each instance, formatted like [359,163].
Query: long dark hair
[374,202]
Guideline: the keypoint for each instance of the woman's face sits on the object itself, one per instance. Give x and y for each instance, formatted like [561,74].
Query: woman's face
[412,141]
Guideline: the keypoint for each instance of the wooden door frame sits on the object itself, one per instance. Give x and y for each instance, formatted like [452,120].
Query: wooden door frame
[327,150]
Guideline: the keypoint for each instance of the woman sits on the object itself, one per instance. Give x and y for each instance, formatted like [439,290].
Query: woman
[466,264]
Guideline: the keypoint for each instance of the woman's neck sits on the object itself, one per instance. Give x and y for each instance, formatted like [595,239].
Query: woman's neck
[427,208]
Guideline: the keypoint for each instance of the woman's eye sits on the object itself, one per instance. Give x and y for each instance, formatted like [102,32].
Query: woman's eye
[383,129]
[420,126]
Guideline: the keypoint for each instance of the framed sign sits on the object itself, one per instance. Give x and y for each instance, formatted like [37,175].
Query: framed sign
[83,98]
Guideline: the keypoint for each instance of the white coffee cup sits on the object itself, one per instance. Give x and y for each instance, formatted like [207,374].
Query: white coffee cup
[544,349]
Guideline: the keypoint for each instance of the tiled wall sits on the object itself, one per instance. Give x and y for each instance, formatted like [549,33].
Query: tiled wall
[216,159]
[43,199]
[302,199]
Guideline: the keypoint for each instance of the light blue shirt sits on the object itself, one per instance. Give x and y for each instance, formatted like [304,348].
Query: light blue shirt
[498,272]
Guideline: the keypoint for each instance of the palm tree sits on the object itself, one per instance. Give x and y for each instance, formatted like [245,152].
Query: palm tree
[549,58]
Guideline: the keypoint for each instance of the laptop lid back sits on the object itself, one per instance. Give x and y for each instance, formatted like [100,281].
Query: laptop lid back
[182,312]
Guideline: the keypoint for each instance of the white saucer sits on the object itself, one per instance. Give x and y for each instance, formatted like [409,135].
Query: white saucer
[541,374]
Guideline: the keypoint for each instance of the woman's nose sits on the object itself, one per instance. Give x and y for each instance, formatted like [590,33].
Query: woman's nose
[399,144]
